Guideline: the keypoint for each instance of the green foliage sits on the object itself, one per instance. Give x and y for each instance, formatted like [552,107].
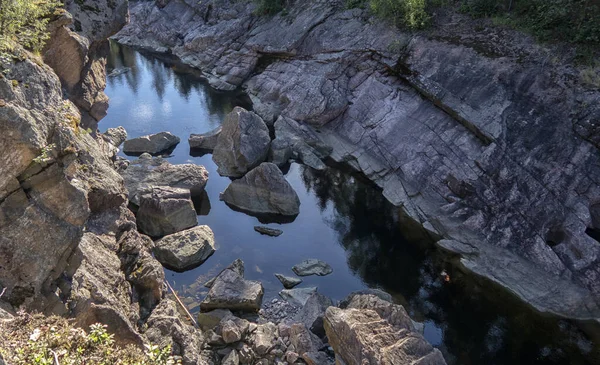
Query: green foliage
[24,22]
[44,155]
[270,7]
[409,13]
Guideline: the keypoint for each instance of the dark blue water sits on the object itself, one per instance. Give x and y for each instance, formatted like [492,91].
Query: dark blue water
[344,221]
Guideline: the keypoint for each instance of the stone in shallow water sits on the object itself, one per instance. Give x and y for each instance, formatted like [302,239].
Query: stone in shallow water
[264,190]
[165,210]
[268,231]
[231,291]
[205,141]
[297,296]
[312,267]
[242,144]
[185,250]
[288,281]
[152,144]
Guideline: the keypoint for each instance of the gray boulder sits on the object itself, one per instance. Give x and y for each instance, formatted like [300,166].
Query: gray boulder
[185,250]
[165,210]
[377,292]
[298,296]
[210,320]
[312,267]
[152,144]
[264,190]
[116,136]
[231,291]
[297,141]
[312,313]
[205,141]
[288,281]
[242,144]
[146,172]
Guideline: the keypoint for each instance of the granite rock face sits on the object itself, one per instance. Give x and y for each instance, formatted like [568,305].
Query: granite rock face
[264,190]
[470,131]
[185,250]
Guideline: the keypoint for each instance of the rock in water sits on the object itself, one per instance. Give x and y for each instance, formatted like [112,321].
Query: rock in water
[152,144]
[268,231]
[264,190]
[242,144]
[205,141]
[297,296]
[356,334]
[288,281]
[185,250]
[312,267]
[146,172]
[231,291]
[165,210]
[116,136]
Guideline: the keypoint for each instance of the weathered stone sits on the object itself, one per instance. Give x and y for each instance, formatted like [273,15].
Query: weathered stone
[231,291]
[379,293]
[205,141]
[303,340]
[210,320]
[264,338]
[230,331]
[116,136]
[297,296]
[246,354]
[317,358]
[312,312]
[152,144]
[231,359]
[288,281]
[264,190]
[237,266]
[185,250]
[361,336]
[268,231]
[146,172]
[165,210]
[242,144]
[312,267]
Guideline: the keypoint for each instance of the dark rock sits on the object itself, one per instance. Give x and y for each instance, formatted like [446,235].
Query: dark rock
[317,358]
[264,190]
[288,281]
[268,231]
[205,141]
[231,291]
[165,210]
[237,266]
[185,250]
[312,313]
[312,267]
[298,296]
[152,144]
[242,144]
[231,359]
[209,320]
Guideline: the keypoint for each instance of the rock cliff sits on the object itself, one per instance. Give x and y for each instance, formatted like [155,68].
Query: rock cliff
[487,139]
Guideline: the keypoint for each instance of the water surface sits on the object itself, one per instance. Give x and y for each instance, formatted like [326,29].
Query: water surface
[344,221]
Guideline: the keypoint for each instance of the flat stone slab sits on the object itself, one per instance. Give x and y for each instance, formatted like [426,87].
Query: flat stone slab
[231,291]
[268,231]
[185,250]
[297,296]
[152,143]
[288,281]
[312,267]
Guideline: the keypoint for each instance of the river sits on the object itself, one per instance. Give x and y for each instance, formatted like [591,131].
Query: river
[345,221]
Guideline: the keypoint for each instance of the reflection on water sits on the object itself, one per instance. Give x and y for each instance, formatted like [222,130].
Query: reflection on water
[344,221]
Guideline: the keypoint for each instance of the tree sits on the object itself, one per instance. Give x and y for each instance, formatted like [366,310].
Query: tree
[25,22]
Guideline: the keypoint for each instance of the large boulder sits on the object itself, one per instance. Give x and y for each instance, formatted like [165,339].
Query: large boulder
[185,250]
[312,313]
[298,141]
[242,144]
[264,190]
[152,144]
[231,291]
[165,210]
[205,141]
[373,331]
[146,172]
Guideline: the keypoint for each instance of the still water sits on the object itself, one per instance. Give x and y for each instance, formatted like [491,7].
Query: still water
[344,221]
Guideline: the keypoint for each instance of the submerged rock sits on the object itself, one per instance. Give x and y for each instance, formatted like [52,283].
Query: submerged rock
[116,136]
[264,190]
[152,144]
[165,210]
[242,144]
[185,250]
[356,334]
[312,267]
[231,291]
[205,141]
[146,172]
[268,231]
[288,281]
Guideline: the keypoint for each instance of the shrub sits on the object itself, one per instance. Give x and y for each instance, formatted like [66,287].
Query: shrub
[25,22]
[270,6]
[410,13]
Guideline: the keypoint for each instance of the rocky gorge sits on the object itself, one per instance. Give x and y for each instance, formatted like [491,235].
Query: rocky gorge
[454,131]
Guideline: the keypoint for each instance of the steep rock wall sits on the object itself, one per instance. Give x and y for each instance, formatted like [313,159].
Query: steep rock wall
[487,139]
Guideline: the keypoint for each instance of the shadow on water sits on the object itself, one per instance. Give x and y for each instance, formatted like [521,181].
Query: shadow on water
[343,220]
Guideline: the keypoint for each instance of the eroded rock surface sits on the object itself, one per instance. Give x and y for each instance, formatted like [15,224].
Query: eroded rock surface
[231,291]
[185,250]
[152,144]
[164,210]
[312,267]
[205,141]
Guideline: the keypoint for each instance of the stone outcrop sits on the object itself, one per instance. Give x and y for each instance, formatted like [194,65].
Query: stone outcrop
[115,136]
[185,250]
[146,172]
[264,190]
[153,144]
[470,131]
[372,331]
[242,144]
[165,210]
